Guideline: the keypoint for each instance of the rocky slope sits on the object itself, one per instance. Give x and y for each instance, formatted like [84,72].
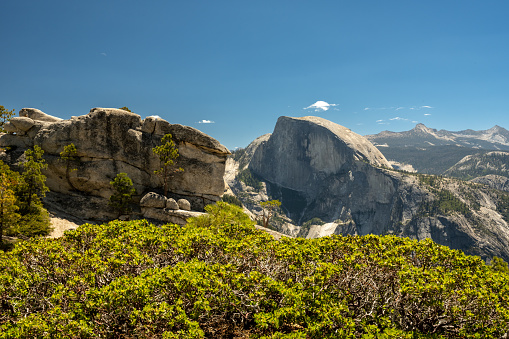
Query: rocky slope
[318,169]
[498,182]
[481,164]
[110,141]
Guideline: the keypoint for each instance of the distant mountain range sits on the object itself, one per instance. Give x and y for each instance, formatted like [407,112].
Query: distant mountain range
[433,151]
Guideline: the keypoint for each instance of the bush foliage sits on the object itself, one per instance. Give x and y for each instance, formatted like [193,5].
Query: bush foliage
[219,277]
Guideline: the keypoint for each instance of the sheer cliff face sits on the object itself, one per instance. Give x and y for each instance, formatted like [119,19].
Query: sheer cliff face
[319,169]
[303,151]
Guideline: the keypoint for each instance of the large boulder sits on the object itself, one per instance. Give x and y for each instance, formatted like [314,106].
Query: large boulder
[38,115]
[152,199]
[110,141]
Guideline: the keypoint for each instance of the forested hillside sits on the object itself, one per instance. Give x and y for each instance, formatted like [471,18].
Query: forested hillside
[219,277]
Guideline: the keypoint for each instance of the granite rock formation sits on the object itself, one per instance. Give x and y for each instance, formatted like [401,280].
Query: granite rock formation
[110,141]
[314,164]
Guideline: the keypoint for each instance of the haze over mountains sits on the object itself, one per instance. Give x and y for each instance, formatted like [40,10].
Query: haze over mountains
[433,151]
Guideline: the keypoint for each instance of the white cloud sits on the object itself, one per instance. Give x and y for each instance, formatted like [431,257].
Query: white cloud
[379,120]
[205,121]
[155,117]
[320,106]
[398,108]
[427,113]
[104,54]
[398,118]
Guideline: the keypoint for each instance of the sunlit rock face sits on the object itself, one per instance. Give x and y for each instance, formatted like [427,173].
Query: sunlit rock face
[110,141]
[321,169]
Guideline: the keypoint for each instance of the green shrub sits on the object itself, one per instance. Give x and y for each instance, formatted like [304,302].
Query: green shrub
[219,277]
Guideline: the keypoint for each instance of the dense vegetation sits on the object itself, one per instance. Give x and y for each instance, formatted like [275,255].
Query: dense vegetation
[21,210]
[219,277]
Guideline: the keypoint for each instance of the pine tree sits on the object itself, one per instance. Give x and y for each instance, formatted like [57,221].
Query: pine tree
[32,186]
[168,154]
[269,209]
[70,157]
[124,191]
[30,190]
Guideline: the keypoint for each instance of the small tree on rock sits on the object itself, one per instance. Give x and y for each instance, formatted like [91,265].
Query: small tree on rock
[125,109]
[269,209]
[168,154]
[124,191]
[70,157]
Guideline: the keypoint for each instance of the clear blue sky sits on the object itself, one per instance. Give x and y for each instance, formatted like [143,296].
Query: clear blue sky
[231,68]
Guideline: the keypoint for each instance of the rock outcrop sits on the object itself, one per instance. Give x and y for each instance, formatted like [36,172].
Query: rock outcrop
[110,141]
[498,182]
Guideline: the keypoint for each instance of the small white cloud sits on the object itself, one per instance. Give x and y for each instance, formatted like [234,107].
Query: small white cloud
[397,109]
[367,108]
[415,122]
[379,120]
[205,121]
[320,106]
[104,54]
[426,107]
[155,117]
[427,113]
[398,118]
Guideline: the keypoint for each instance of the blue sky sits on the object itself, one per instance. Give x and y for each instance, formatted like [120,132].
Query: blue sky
[231,68]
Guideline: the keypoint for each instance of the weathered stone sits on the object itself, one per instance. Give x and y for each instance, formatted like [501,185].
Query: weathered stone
[149,125]
[38,115]
[10,128]
[11,140]
[111,141]
[152,199]
[171,204]
[22,123]
[184,204]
